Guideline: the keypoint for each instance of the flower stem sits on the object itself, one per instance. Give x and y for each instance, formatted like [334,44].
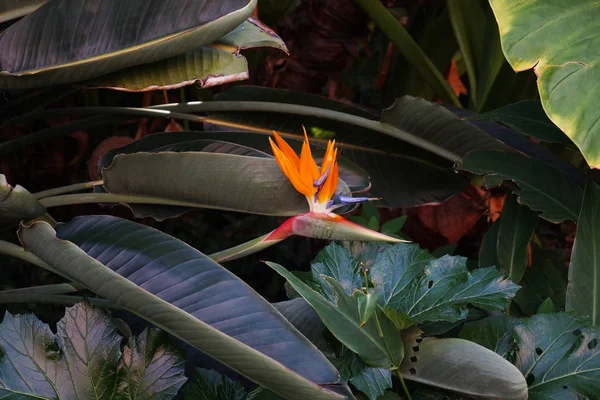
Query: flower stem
[244,249]
[403,384]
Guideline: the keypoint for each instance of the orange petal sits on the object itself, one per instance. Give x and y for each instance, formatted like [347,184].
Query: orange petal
[287,150]
[308,166]
[329,156]
[330,184]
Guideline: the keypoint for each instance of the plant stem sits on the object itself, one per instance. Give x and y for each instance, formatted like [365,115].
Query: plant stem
[54,299]
[67,189]
[13,250]
[175,110]
[403,384]
[243,249]
[409,48]
[59,288]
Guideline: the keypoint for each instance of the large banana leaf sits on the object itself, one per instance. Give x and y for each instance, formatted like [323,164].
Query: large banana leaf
[214,64]
[558,40]
[61,42]
[180,290]
[408,152]
[17,203]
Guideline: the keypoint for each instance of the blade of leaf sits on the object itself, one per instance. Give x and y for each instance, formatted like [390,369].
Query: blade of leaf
[13,9]
[99,44]
[488,252]
[188,306]
[583,290]
[494,333]
[543,187]
[515,232]
[483,373]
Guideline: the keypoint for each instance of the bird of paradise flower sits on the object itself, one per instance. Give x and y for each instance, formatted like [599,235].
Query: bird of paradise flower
[319,185]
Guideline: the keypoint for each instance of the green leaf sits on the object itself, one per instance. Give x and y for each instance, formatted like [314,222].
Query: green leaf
[83,360]
[221,316]
[367,305]
[537,34]
[306,320]
[247,184]
[527,117]
[464,367]
[16,203]
[488,252]
[13,9]
[558,355]
[98,43]
[203,66]
[210,385]
[546,278]
[411,282]
[394,225]
[583,291]
[343,321]
[547,307]
[370,212]
[371,381]
[336,262]
[494,333]
[542,187]
[517,225]
[249,34]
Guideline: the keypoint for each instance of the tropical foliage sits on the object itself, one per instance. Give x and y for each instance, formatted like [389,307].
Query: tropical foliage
[385,212]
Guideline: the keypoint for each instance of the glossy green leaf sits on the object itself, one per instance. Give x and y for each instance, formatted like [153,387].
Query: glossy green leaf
[394,225]
[83,360]
[558,355]
[546,278]
[547,307]
[210,385]
[494,333]
[97,43]
[464,367]
[367,305]
[195,299]
[343,321]
[542,187]
[517,225]
[558,41]
[413,283]
[583,291]
[16,203]
[13,9]
[527,117]
[204,66]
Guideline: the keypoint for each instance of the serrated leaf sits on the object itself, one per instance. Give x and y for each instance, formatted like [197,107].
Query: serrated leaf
[542,187]
[210,385]
[517,225]
[83,360]
[335,261]
[494,333]
[559,356]
[411,282]
[371,381]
